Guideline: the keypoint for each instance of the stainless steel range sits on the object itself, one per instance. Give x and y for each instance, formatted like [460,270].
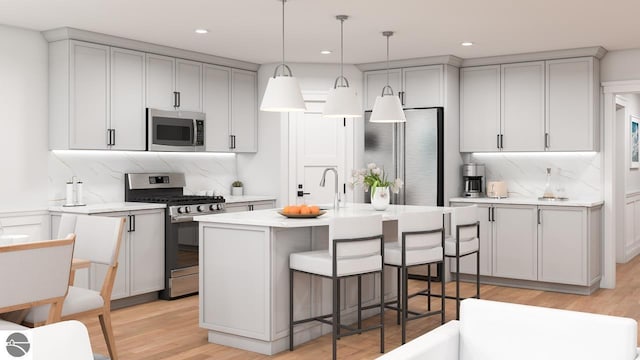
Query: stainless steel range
[181,232]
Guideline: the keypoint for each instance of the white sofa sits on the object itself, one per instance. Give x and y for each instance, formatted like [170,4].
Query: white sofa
[490,330]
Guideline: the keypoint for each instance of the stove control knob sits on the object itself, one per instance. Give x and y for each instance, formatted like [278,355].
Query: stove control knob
[187,209]
[219,206]
[212,208]
[201,208]
[180,210]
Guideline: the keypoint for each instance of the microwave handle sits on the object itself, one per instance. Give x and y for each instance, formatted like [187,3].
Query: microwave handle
[194,136]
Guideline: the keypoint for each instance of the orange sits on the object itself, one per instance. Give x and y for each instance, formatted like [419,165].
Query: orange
[304,210]
[286,209]
[293,209]
[314,209]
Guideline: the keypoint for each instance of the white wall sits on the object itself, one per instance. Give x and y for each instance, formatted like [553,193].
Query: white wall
[265,172]
[23,119]
[620,65]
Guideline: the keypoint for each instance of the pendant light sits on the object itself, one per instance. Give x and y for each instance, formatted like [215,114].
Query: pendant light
[387,108]
[342,101]
[283,91]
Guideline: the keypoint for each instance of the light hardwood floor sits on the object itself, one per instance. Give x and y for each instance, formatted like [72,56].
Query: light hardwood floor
[169,329]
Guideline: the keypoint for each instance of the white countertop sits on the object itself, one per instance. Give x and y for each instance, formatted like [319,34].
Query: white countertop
[271,218]
[530,201]
[106,207]
[230,199]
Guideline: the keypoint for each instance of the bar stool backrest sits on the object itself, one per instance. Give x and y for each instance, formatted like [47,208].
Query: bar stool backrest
[465,216]
[420,221]
[356,227]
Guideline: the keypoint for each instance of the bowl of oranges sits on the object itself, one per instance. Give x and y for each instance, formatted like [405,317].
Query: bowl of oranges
[301,211]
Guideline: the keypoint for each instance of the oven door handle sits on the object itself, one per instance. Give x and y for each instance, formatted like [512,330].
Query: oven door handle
[181,219]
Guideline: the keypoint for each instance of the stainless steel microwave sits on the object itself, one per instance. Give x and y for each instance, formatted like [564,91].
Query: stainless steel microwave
[175,130]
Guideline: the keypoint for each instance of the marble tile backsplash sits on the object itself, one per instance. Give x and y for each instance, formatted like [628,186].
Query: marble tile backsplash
[525,173]
[102,172]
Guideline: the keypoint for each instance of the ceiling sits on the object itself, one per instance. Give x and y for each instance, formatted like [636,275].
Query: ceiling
[250,29]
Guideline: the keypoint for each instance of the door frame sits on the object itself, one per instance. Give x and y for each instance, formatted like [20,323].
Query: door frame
[614,157]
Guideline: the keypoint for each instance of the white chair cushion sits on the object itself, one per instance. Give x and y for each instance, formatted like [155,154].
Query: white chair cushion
[393,254]
[78,300]
[7,325]
[320,262]
[466,247]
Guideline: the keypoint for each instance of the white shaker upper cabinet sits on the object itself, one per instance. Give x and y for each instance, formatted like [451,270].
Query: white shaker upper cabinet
[374,81]
[217,107]
[189,85]
[572,104]
[128,122]
[88,95]
[244,111]
[160,82]
[422,86]
[480,108]
[522,99]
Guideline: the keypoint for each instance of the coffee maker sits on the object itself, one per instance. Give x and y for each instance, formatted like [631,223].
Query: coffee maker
[473,179]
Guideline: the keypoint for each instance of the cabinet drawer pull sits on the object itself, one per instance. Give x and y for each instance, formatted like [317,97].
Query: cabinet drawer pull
[498,141]
[539,217]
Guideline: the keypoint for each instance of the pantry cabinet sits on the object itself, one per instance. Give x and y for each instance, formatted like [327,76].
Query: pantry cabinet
[530,106]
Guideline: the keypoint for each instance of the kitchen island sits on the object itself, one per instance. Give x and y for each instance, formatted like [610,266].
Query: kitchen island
[244,276]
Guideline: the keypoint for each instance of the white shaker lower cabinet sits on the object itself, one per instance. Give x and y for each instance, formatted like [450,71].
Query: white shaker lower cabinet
[141,257]
[569,245]
[515,253]
[547,247]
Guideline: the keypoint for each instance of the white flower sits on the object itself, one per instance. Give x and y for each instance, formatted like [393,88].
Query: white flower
[376,171]
[371,166]
[354,172]
[397,185]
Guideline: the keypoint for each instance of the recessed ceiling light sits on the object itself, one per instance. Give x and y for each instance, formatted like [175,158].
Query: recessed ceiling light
[325,52]
[202,31]
[466,43]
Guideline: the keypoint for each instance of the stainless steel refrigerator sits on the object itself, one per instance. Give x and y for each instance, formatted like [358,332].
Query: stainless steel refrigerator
[412,151]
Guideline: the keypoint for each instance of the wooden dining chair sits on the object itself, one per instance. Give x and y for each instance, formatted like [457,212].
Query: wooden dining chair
[35,274]
[98,240]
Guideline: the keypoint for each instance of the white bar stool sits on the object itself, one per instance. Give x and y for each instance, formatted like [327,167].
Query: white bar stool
[420,242]
[464,221]
[356,248]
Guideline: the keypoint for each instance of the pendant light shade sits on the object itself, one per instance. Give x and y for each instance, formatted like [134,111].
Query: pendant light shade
[387,108]
[342,101]
[283,91]
[282,94]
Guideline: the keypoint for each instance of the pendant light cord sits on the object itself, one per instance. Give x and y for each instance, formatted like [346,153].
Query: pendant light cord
[388,59]
[342,51]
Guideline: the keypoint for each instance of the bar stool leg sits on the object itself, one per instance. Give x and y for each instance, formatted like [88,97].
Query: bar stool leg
[405,303]
[457,280]
[429,284]
[382,310]
[359,301]
[336,315]
[442,295]
[478,274]
[399,298]
[290,310]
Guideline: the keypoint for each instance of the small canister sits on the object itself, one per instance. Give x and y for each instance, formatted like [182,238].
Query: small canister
[497,189]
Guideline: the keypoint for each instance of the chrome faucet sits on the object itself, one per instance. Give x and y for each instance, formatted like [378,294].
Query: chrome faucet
[336,199]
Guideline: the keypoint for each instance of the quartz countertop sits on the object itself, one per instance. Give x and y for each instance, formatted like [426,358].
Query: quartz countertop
[531,201]
[271,217]
[106,207]
[230,199]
